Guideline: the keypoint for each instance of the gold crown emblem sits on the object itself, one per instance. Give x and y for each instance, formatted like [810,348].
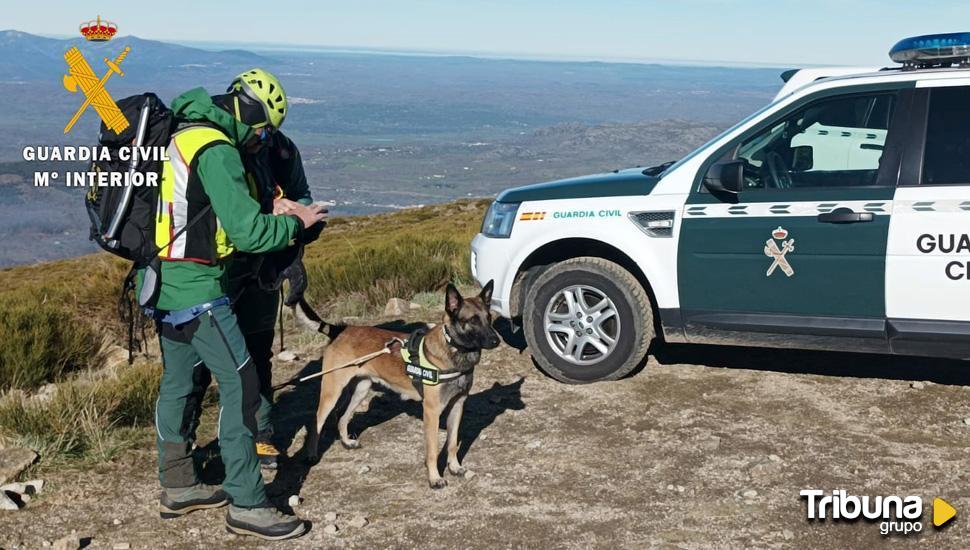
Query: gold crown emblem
[779,233]
[98,30]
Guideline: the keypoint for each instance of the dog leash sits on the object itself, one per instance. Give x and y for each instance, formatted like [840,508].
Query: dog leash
[358,361]
[365,358]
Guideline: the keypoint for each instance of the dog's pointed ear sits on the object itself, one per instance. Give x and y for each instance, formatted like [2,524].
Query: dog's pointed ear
[453,300]
[486,294]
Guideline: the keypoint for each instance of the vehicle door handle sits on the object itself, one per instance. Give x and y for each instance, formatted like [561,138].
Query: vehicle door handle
[845,215]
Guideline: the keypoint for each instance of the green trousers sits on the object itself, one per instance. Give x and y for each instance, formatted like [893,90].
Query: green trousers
[256,311]
[212,339]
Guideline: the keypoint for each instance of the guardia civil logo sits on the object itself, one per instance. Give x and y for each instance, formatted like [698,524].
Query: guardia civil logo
[778,253]
[82,78]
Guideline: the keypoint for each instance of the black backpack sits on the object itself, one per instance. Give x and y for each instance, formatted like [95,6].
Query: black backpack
[123,218]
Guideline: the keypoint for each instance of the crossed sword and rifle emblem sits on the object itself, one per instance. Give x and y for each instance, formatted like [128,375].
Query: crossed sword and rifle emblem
[93,88]
[778,254]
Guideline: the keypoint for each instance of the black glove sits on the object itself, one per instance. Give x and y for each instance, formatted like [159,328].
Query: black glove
[295,275]
[270,275]
[284,265]
[312,233]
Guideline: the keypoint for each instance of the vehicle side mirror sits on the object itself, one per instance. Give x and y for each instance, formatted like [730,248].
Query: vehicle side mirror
[803,158]
[725,177]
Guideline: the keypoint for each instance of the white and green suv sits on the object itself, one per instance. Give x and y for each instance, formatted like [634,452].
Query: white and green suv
[837,217]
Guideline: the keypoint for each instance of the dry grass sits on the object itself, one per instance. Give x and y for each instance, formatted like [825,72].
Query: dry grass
[39,343]
[83,419]
[366,261]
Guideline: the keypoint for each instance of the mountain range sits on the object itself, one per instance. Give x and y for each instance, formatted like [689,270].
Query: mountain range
[27,57]
[376,131]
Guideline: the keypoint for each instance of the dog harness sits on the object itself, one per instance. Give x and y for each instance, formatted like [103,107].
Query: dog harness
[422,371]
[417,365]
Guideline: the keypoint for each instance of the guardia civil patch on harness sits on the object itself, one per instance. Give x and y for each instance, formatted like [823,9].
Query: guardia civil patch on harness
[416,363]
[427,376]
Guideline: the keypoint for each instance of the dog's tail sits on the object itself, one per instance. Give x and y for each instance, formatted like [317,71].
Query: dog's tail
[310,321]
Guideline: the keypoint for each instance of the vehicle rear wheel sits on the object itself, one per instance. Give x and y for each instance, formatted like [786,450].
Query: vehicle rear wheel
[587,319]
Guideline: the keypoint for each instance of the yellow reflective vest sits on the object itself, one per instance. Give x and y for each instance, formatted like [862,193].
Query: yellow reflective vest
[182,198]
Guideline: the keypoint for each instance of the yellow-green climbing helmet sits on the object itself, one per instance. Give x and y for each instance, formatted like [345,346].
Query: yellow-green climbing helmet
[264,88]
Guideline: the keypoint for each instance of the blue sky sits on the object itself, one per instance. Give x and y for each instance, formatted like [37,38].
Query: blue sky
[778,32]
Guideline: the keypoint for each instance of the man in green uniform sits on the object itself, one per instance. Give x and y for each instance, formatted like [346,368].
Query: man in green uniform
[205,213]
[275,176]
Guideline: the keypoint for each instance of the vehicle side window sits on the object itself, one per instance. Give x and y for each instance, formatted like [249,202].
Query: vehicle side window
[946,159]
[835,142]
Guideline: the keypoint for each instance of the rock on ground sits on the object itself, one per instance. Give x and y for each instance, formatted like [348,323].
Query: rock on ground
[115,356]
[19,488]
[13,461]
[7,503]
[69,542]
[358,522]
[396,307]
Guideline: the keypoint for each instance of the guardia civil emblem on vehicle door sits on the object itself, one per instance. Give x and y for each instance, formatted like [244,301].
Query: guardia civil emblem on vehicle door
[778,254]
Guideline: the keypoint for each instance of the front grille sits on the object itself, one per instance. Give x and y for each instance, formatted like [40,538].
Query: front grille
[656,223]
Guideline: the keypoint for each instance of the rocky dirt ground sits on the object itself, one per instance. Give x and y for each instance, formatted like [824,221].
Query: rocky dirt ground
[704,448]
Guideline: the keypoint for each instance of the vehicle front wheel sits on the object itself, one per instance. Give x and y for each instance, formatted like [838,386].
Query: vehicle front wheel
[587,319]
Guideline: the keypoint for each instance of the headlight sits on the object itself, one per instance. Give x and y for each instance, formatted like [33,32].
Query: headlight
[499,219]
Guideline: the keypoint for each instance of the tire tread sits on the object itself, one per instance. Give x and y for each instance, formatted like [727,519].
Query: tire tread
[623,278]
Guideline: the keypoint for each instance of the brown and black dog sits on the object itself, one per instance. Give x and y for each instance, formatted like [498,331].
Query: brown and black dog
[454,346]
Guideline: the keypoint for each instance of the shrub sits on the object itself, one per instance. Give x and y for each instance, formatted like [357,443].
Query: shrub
[366,261]
[84,419]
[399,267]
[40,342]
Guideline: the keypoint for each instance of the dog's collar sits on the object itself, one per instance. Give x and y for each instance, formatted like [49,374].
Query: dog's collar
[451,342]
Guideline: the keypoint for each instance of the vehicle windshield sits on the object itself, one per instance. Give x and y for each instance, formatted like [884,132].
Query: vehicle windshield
[696,151]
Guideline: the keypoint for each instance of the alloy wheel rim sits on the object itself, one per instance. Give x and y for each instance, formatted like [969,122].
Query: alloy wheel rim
[582,324]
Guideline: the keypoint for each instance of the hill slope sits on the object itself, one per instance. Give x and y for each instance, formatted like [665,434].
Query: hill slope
[25,57]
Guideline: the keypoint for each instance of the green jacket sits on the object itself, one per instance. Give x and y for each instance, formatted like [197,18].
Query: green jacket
[220,170]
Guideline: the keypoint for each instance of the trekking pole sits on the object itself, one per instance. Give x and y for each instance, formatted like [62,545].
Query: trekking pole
[110,234]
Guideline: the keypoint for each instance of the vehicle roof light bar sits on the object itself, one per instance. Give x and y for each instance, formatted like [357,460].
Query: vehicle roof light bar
[933,50]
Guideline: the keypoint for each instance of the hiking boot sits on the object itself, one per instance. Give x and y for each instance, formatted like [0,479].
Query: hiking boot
[265,522]
[267,454]
[177,502]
